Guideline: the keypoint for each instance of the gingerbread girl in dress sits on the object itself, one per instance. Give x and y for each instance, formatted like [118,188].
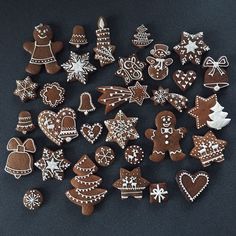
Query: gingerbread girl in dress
[42,51]
[158,68]
[166,138]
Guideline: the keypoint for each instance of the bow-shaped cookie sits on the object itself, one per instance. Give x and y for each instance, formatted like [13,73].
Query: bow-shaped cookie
[15,144]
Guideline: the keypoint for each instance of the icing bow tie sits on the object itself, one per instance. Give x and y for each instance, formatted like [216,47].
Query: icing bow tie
[215,65]
[158,193]
[166,130]
[15,144]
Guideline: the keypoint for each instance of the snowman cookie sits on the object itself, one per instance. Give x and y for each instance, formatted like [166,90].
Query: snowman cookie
[166,138]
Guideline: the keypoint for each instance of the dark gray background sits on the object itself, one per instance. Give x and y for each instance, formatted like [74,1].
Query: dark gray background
[212,214]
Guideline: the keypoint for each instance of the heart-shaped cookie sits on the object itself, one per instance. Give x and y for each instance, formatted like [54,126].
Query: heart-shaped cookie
[58,127]
[91,132]
[184,80]
[192,185]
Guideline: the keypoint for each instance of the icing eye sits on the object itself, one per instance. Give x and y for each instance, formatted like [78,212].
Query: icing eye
[39,31]
[168,119]
[44,31]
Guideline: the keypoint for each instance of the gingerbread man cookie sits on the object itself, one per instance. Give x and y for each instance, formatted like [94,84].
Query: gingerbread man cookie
[166,138]
[158,68]
[42,51]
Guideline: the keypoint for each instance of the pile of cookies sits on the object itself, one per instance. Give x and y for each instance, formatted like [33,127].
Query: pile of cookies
[60,127]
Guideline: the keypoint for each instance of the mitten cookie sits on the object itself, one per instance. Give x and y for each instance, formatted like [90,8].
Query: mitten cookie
[158,68]
[43,51]
[131,183]
[215,76]
[85,192]
[191,48]
[20,161]
[166,138]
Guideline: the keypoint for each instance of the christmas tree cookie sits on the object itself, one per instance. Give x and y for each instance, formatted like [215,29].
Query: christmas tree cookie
[85,192]
[141,38]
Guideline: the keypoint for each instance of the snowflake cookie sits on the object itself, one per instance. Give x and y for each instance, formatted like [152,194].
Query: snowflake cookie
[52,164]
[104,156]
[78,67]
[33,199]
[191,48]
[121,129]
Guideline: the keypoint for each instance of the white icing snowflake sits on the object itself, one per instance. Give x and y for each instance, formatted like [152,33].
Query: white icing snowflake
[78,67]
[32,199]
[121,129]
[160,95]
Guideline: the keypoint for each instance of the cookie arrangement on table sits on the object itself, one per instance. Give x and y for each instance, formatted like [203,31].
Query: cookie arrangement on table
[60,126]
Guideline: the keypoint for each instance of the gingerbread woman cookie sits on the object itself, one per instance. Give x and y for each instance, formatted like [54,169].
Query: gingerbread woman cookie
[158,68]
[42,51]
[166,138]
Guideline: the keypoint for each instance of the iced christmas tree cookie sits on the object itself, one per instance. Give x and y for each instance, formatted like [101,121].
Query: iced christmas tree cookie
[208,111]
[43,51]
[114,96]
[192,185]
[191,48]
[141,38]
[166,138]
[208,148]
[86,192]
[131,183]
[121,129]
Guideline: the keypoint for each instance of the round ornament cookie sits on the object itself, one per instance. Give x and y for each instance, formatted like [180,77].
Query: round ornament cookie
[104,156]
[33,199]
[134,154]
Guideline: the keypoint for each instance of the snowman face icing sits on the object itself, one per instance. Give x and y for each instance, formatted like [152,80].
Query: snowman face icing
[42,33]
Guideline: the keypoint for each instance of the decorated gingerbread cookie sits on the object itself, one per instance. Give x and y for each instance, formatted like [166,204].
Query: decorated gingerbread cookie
[26,89]
[131,183]
[208,148]
[184,80]
[141,38]
[20,161]
[91,132]
[192,185]
[114,96]
[78,37]
[52,94]
[121,129]
[86,103]
[104,156]
[86,192]
[52,164]
[25,123]
[158,193]
[104,49]
[161,96]
[191,48]
[208,111]
[130,69]
[134,154]
[33,199]
[158,63]
[43,51]
[58,127]
[166,138]
[216,76]
[78,67]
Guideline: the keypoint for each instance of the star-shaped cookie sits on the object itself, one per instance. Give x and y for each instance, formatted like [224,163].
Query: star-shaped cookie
[208,148]
[26,89]
[138,93]
[121,129]
[202,110]
[131,183]
[78,67]
[191,48]
[130,68]
[52,164]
